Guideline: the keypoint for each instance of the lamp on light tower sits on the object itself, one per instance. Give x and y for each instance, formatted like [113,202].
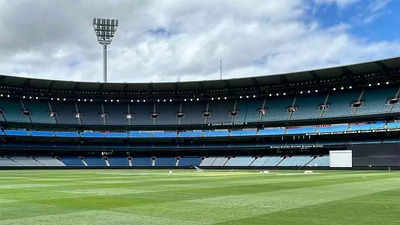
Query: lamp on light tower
[105,30]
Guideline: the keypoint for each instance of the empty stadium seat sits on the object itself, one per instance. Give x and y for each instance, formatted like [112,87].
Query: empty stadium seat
[190,134]
[320,161]
[166,161]
[115,134]
[66,134]
[246,132]
[17,132]
[296,161]
[95,161]
[333,128]
[301,130]
[239,161]
[271,131]
[216,133]
[13,111]
[142,161]
[72,161]
[165,134]
[189,161]
[42,133]
[140,134]
[118,161]
[367,126]
[39,112]
[92,134]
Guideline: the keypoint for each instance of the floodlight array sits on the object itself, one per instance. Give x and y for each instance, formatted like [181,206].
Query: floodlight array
[105,29]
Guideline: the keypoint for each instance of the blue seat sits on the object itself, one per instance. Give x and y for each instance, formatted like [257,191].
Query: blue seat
[333,128]
[166,161]
[190,134]
[163,134]
[17,132]
[72,161]
[139,134]
[66,134]
[243,132]
[42,133]
[142,161]
[94,134]
[219,133]
[367,126]
[393,125]
[116,135]
[189,161]
[118,161]
[95,161]
[271,131]
[301,130]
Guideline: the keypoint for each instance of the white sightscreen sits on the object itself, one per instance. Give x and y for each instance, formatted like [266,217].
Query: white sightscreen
[341,158]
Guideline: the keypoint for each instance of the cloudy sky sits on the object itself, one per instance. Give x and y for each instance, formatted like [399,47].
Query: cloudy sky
[183,40]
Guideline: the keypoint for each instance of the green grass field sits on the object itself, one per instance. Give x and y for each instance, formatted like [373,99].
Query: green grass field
[188,197]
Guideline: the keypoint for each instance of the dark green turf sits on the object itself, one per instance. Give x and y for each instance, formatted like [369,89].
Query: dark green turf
[189,197]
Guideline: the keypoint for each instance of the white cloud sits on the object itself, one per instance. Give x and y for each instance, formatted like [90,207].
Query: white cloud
[340,3]
[56,40]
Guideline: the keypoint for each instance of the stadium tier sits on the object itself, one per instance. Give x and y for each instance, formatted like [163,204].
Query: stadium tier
[346,103]
[298,120]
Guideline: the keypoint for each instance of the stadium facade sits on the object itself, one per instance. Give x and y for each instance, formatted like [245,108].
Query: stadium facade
[329,118]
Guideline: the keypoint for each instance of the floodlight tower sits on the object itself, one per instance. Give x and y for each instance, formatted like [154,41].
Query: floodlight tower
[105,30]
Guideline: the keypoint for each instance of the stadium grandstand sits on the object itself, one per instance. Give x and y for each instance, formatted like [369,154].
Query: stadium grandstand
[345,116]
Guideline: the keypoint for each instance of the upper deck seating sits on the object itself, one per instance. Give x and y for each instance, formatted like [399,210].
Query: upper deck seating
[277,109]
[340,104]
[65,113]
[116,114]
[12,111]
[90,113]
[39,112]
[308,107]
[142,113]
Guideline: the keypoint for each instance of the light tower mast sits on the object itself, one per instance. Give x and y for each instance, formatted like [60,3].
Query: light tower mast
[105,30]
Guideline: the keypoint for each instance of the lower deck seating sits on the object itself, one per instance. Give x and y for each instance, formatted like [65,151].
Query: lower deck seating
[95,161]
[189,161]
[166,161]
[267,161]
[49,161]
[320,161]
[239,161]
[72,161]
[142,161]
[6,161]
[207,161]
[118,161]
[219,161]
[25,161]
[296,161]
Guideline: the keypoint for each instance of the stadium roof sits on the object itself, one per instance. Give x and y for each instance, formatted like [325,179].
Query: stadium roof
[269,80]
